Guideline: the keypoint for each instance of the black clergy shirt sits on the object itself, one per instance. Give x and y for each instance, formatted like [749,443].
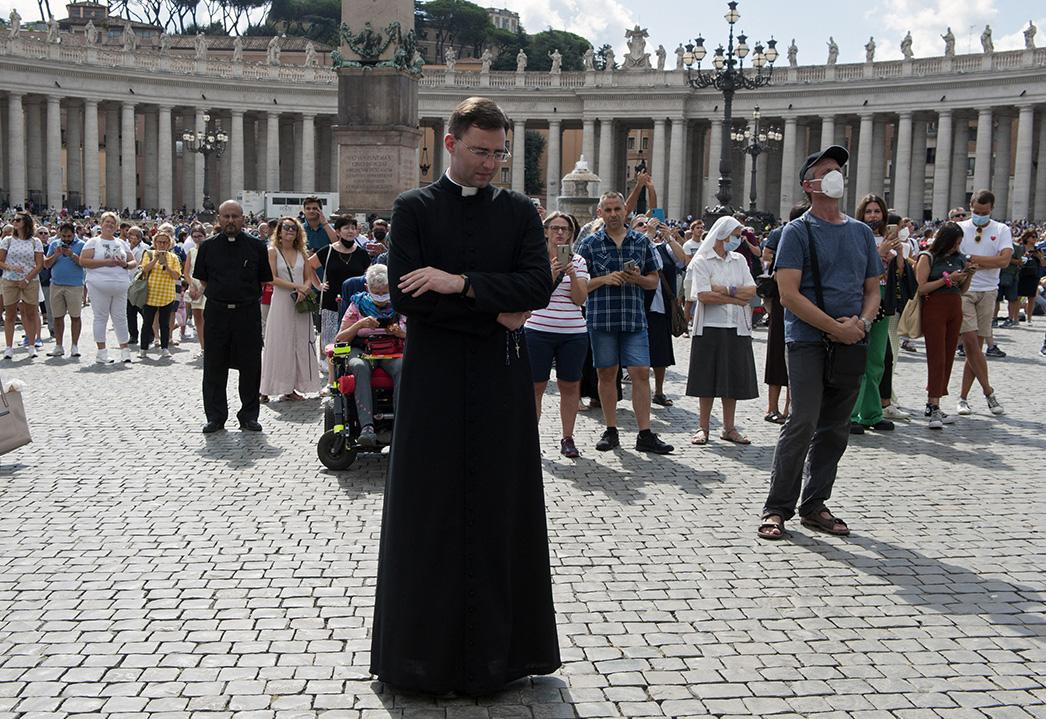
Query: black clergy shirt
[233,268]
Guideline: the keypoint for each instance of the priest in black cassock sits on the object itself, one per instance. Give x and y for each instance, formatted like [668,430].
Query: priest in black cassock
[464,595]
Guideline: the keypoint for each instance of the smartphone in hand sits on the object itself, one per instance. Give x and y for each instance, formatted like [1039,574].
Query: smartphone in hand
[564,256]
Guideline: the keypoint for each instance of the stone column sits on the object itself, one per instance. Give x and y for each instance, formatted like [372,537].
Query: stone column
[1022,173]
[960,151]
[676,166]
[902,171]
[553,165]
[917,191]
[16,139]
[1039,210]
[297,128]
[128,161]
[91,195]
[34,129]
[74,133]
[942,165]
[878,159]
[827,132]
[308,153]
[588,143]
[53,180]
[606,158]
[864,158]
[335,160]
[715,155]
[236,173]
[151,168]
[272,152]
[165,159]
[519,137]
[789,171]
[1003,162]
[982,166]
[200,166]
[658,156]
[112,156]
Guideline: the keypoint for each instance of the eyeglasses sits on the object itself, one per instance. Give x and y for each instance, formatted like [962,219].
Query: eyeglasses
[292,228]
[558,228]
[485,154]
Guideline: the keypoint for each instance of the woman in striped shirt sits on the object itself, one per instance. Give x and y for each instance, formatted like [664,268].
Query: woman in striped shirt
[558,332]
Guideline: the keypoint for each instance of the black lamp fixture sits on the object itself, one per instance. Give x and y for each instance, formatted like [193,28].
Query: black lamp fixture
[210,140]
[755,140]
[424,165]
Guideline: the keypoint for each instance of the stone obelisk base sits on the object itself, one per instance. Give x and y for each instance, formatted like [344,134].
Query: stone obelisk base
[377,135]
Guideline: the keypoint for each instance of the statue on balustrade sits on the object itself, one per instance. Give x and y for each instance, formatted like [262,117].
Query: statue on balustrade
[906,46]
[165,44]
[680,52]
[869,50]
[557,62]
[521,61]
[200,47]
[986,40]
[485,60]
[52,31]
[949,43]
[272,51]
[311,59]
[608,57]
[237,49]
[130,40]
[833,51]
[637,57]
[14,23]
[661,55]
[1029,36]
[451,58]
[793,52]
[90,33]
[588,59]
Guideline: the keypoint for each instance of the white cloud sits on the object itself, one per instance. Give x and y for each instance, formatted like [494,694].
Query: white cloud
[600,21]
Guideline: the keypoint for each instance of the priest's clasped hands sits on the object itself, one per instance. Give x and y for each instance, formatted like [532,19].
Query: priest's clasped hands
[417,282]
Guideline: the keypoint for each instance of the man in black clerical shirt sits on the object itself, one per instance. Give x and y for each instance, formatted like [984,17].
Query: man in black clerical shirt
[232,266]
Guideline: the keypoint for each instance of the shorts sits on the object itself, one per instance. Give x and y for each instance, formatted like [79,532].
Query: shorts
[567,350]
[66,300]
[14,293]
[620,348]
[1008,291]
[978,309]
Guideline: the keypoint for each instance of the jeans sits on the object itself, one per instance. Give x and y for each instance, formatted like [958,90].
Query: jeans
[132,322]
[148,313]
[361,369]
[813,439]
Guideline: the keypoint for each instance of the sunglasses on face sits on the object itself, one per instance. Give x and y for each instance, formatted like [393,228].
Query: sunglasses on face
[292,228]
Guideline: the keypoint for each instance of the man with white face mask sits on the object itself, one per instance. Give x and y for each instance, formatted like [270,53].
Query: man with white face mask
[827,273]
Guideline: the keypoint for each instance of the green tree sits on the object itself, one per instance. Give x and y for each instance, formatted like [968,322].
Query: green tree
[572,47]
[460,24]
[510,44]
[534,145]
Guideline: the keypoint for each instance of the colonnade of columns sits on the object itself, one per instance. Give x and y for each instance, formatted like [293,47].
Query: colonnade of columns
[145,163]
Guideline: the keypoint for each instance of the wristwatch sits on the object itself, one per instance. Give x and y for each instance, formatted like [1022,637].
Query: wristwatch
[465,287]
[867,325]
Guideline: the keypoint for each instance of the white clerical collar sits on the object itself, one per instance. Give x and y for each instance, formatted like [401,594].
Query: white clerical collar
[465,190]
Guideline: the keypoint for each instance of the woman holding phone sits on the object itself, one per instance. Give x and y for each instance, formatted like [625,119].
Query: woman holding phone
[943,275]
[161,268]
[558,333]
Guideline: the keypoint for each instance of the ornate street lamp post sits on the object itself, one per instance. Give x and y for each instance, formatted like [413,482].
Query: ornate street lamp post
[728,76]
[755,141]
[210,140]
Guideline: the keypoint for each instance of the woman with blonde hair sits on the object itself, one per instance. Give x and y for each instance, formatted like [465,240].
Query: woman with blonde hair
[161,268]
[107,259]
[290,367]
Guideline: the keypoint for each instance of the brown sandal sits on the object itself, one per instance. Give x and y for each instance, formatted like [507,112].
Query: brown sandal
[771,530]
[700,437]
[732,435]
[817,521]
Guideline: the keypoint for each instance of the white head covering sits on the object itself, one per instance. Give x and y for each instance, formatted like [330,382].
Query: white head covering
[720,231]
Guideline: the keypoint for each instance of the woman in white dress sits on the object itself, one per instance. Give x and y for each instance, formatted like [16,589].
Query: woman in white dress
[289,364]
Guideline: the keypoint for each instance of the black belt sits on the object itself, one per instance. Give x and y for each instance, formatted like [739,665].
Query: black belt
[231,305]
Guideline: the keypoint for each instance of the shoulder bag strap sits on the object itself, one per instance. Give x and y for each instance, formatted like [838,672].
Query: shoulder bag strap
[815,266]
[330,250]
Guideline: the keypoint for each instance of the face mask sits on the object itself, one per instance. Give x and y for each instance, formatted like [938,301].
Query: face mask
[833,185]
[348,241]
[380,299]
[980,220]
[875,224]
[903,234]
[732,243]
[379,235]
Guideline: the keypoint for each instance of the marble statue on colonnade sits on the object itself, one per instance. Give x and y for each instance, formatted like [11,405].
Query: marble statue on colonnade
[237,49]
[272,52]
[557,62]
[661,55]
[986,40]
[521,61]
[1029,36]
[793,53]
[680,52]
[450,56]
[52,31]
[165,44]
[906,46]
[637,57]
[91,33]
[588,59]
[833,51]
[130,39]
[200,46]
[949,43]
[14,23]
[311,58]
[869,50]
[485,60]
[608,56]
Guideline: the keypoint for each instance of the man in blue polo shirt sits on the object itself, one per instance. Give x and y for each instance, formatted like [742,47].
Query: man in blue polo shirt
[621,264]
[67,287]
[318,230]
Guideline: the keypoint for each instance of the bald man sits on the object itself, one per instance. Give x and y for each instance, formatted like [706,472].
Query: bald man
[232,266]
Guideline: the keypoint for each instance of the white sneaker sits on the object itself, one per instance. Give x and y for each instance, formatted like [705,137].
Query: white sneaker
[74,351]
[143,353]
[895,413]
[936,421]
[58,351]
[993,404]
[963,408]
[125,355]
[165,354]
[947,418]
[32,351]
[9,353]
[102,357]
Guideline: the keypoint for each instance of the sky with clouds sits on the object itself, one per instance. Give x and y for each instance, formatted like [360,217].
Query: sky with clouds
[670,22]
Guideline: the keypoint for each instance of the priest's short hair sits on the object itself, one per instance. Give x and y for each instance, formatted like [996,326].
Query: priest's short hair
[481,112]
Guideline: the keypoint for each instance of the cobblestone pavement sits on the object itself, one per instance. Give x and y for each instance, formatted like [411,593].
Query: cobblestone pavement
[149,571]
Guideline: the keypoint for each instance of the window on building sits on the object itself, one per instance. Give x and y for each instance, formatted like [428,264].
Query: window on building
[631,142]
[506,175]
[931,155]
[969,166]
[646,143]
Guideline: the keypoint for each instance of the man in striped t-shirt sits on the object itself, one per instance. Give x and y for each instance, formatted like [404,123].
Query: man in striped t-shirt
[558,332]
